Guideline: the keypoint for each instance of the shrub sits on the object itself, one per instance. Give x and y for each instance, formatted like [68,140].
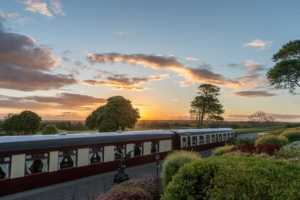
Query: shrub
[148,184]
[272,140]
[49,129]
[235,177]
[223,150]
[128,193]
[292,135]
[174,162]
[269,149]
[135,189]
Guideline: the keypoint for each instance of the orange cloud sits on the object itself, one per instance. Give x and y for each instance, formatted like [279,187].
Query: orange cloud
[197,75]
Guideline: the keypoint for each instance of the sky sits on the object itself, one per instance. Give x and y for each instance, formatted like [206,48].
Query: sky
[62,58]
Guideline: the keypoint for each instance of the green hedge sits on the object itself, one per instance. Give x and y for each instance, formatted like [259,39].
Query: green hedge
[235,177]
[271,139]
[292,135]
[174,162]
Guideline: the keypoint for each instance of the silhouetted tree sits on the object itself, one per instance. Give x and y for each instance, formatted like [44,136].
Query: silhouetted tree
[26,122]
[207,105]
[261,116]
[286,72]
[117,114]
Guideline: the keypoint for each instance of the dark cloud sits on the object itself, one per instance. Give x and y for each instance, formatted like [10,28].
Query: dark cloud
[27,66]
[121,81]
[198,75]
[255,93]
[61,101]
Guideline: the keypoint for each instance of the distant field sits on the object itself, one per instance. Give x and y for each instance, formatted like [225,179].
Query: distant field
[272,129]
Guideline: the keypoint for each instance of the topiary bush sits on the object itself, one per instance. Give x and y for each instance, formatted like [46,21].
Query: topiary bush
[223,150]
[292,135]
[174,162]
[50,129]
[235,177]
[271,140]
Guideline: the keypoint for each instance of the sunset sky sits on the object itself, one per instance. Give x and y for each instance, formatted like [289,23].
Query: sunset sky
[63,58]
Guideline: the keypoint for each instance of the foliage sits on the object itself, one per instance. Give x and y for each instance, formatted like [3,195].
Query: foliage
[149,184]
[292,134]
[135,189]
[26,122]
[128,193]
[235,177]
[116,114]
[223,150]
[207,104]
[50,129]
[286,72]
[174,162]
[290,152]
[271,139]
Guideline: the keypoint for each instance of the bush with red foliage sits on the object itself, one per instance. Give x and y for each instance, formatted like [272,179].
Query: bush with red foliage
[126,193]
[269,149]
[245,148]
[135,189]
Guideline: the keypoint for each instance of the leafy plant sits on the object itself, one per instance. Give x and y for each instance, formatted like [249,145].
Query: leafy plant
[235,177]
[292,134]
[272,140]
[174,162]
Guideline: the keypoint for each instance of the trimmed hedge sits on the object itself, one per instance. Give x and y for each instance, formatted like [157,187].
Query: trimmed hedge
[235,177]
[174,162]
[272,140]
[292,135]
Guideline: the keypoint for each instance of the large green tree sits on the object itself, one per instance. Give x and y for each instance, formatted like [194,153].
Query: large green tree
[206,106]
[117,114]
[285,74]
[26,122]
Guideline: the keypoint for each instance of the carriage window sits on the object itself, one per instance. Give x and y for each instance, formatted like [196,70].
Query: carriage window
[220,137]
[36,163]
[224,137]
[184,142]
[155,147]
[96,155]
[67,159]
[5,167]
[207,139]
[213,138]
[201,139]
[194,141]
[138,150]
[119,152]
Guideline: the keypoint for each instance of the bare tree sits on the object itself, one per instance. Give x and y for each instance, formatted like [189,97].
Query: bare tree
[261,116]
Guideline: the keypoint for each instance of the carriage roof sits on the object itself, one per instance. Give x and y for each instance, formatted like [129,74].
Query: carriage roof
[31,142]
[202,131]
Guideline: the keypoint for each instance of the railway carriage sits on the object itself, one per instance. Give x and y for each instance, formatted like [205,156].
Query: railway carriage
[28,162]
